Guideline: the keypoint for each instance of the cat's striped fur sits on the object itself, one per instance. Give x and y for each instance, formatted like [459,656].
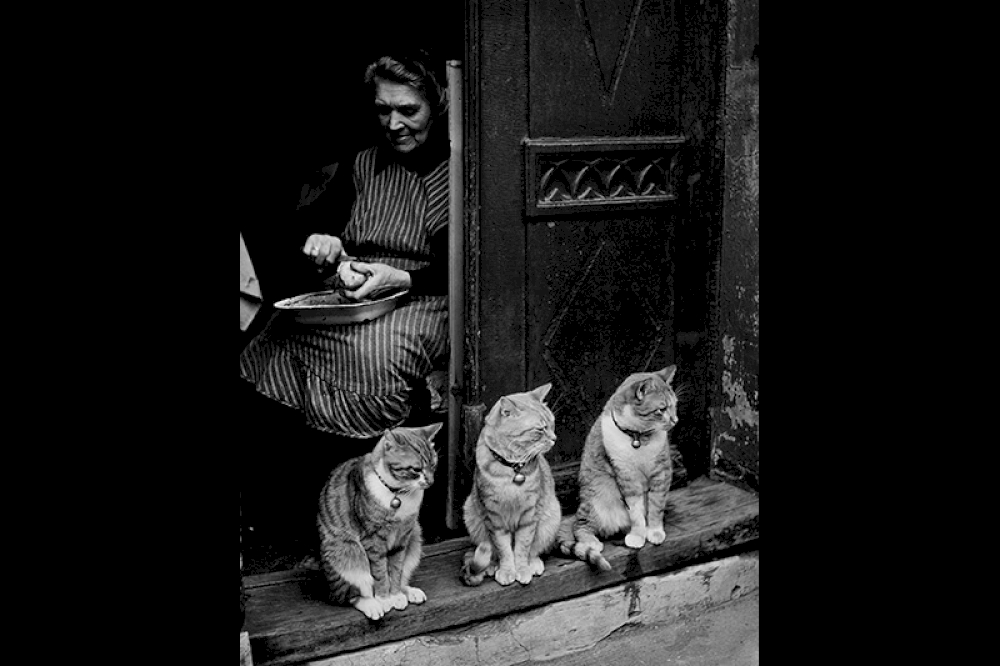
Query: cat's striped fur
[369,550]
[513,524]
[623,487]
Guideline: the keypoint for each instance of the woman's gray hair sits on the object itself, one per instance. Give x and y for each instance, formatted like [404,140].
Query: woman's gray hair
[414,69]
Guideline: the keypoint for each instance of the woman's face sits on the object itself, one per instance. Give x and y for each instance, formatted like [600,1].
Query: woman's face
[404,114]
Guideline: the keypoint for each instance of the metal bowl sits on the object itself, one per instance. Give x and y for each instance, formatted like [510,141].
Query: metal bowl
[332,307]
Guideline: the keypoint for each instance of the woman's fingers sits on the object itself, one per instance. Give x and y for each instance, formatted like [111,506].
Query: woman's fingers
[381,278]
[351,277]
[362,267]
[374,279]
[311,248]
[323,249]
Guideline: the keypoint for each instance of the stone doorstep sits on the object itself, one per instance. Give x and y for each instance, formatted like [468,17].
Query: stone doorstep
[567,627]
[290,625]
[246,659]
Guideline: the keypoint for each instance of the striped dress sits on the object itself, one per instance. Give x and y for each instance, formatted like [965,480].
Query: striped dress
[356,380]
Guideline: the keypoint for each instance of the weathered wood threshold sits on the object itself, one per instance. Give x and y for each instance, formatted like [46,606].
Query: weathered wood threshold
[290,623]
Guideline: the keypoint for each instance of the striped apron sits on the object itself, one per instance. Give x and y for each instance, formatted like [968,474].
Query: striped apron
[356,380]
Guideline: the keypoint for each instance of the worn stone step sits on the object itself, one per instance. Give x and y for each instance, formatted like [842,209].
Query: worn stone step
[290,622]
[574,626]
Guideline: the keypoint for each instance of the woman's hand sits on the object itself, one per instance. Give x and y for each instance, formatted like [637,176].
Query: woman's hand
[323,249]
[350,278]
[380,278]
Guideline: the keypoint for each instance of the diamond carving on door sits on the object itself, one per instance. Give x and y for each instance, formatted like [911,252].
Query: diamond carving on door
[611,321]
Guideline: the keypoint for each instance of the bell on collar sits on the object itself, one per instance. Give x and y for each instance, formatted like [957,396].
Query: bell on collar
[396,503]
[519,479]
[636,444]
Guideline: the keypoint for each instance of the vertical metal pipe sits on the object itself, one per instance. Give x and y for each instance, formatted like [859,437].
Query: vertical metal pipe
[456,284]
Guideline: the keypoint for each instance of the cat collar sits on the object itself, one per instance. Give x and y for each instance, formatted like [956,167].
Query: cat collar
[396,502]
[519,478]
[635,435]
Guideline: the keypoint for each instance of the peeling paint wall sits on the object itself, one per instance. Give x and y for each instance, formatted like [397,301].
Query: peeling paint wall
[736,407]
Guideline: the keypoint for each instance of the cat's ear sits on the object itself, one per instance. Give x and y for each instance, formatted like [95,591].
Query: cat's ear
[431,431]
[541,392]
[507,407]
[667,374]
[640,390]
[388,439]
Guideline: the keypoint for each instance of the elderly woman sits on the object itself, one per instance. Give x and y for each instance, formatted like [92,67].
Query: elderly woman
[358,380]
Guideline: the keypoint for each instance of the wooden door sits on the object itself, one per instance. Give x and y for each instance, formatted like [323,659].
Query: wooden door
[581,145]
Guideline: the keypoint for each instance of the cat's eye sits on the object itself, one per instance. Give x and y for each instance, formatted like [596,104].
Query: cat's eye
[405,472]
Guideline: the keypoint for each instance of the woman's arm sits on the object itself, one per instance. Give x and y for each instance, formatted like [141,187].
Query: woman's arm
[433,280]
[430,281]
[322,213]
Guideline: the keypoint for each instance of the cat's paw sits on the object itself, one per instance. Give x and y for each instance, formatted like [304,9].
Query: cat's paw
[635,541]
[371,607]
[505,576]
[399,600]
[524,575]
[491,570]
[387,603]
[537,566]
[415,595]
[656,536]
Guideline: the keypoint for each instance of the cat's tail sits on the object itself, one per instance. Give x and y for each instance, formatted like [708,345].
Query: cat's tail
[587,552]
[477,565]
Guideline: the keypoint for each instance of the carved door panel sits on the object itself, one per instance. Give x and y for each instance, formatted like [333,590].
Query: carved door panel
[599,187]
[579,155]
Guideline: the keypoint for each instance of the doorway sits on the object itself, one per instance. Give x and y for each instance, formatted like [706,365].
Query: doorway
[305,108]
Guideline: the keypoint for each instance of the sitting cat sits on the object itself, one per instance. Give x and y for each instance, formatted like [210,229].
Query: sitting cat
[370,538]
[513,513]
[626,470]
